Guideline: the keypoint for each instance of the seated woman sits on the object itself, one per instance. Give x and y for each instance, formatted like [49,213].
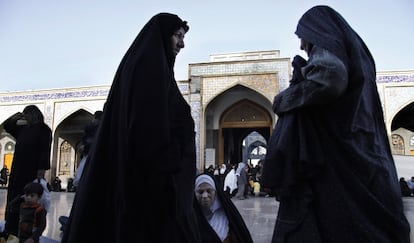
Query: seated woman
[219,220]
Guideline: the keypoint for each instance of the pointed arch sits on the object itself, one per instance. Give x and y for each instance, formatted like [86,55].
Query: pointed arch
[236,122]
[245,112]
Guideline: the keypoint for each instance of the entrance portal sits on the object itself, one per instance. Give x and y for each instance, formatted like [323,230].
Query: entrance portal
[236,123]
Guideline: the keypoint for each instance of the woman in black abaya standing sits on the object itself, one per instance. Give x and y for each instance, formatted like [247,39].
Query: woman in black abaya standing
[31,156]
[329,161]
[138,184]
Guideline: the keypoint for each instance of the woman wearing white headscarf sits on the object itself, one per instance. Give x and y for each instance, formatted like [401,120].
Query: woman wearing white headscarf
[219,220]
[230,182]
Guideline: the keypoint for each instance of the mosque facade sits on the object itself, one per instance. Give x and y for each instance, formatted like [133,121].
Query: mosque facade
[230,97]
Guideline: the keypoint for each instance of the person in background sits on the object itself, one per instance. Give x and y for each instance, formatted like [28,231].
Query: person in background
[330,165]
[57,184]
[255,187]
[405,190]
[230,182]
[242,181]
[31,155]
[222,172]
[126,173]
[218,218]
[259,170]
[32,222]
[210,169]
[410,184]
[86,142]
[4,173]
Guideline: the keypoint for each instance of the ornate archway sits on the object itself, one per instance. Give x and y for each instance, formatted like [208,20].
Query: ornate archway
[236,122]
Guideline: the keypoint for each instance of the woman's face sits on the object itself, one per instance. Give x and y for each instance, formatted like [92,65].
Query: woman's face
[304,45]
[205,195]
[177,40]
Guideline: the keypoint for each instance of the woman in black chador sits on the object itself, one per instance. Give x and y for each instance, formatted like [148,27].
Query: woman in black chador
[138,183]
[31,156]
[329,161]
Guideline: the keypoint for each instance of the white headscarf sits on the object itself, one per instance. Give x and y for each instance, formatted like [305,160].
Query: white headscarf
[204,179]
[218,221]
[230,181]
[223,169]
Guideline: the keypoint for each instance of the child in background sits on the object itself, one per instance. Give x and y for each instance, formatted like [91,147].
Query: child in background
[32,221]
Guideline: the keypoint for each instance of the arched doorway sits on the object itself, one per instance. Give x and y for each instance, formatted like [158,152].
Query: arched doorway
[8,154]
[404,118]
[238,121]
[402,131]
[67,138]
[254,148]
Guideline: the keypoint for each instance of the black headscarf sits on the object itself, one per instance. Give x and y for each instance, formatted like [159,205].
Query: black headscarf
[334,158]
[324,27]
[136,185]
[33,114]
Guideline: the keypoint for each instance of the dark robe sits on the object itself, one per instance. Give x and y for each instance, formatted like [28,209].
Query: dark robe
[405,189]
[238,230]
[31,153]
[330,163]
[4,175]
[138,182]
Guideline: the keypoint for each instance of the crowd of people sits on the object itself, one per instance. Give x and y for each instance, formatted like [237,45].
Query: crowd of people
[328,161]
[241,180]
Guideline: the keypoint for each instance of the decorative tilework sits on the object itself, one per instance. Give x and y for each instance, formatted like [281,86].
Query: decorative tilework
[32,96]
[396,98]
[395,78]
[231,68]
[265,76]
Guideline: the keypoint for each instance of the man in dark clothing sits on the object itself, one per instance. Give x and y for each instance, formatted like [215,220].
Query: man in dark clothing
[329,160]
[31,156]
[127,172]
[4,174]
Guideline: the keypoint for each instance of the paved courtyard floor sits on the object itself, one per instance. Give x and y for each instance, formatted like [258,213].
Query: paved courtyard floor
[259,214]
